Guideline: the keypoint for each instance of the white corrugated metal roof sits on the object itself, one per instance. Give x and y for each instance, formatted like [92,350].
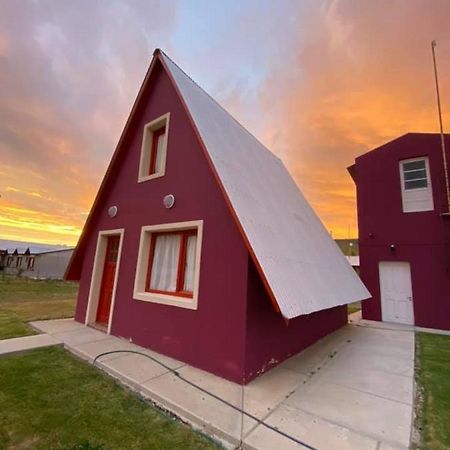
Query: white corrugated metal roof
[303,266]
[56,250]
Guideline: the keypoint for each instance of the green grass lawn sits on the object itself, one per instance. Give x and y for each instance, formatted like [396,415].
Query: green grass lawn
[22,300]
[353,307]
[433,379]
[51,400]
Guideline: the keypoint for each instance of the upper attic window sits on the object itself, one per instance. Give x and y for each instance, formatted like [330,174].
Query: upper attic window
[154,149]
[417,194]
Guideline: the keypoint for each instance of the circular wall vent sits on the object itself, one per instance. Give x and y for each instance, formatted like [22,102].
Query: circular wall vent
[112,211]
[169,201]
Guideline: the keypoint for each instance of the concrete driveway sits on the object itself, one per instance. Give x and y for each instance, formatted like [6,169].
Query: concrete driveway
[351,390]
[358,394]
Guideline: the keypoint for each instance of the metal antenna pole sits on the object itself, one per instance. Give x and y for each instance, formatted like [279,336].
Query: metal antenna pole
[444,154]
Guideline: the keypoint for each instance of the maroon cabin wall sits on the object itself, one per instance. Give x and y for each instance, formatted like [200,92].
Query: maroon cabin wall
[270,340]
[212,337]
[419,238]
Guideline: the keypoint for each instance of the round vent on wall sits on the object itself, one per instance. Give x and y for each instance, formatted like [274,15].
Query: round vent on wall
[169,201]
[112,211]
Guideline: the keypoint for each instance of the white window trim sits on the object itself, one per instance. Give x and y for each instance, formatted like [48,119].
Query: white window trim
[408,192]
[147,140]
[139,292]
[97,275]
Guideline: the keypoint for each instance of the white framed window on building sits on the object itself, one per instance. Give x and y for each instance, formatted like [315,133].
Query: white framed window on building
[152,163]
[417,193]
[168,267]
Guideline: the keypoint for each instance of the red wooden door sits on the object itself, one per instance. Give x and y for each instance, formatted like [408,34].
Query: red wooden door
[109,273]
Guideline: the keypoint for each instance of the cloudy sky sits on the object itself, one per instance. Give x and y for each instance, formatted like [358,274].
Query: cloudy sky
[319,82]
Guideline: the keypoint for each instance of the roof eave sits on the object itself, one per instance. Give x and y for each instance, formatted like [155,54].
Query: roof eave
[352,171]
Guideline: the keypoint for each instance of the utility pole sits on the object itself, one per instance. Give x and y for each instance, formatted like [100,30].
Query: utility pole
[444,154]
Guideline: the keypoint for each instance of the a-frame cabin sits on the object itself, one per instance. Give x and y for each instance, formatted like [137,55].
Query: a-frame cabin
[200,245]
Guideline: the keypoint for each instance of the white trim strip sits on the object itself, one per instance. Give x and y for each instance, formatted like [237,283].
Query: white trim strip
[97,274]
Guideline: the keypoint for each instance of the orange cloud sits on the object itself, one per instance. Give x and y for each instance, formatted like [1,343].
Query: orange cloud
[359,74]
[333,80]
[68,77]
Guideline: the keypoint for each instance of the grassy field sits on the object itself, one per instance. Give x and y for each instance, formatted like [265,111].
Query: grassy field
[22,300]
[353,307]
[433,379]
[51,400]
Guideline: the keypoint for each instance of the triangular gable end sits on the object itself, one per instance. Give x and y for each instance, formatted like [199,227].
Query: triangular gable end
[297,285]
[73,271]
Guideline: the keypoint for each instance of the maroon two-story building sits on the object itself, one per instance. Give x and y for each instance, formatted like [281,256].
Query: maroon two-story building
[404,231]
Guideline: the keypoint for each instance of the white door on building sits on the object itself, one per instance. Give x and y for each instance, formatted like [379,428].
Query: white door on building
[396,292]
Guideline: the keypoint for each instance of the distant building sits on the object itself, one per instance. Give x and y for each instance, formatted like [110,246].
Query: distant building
[348,247]
[404,231]
[36,263]
[3,255]
[354,262]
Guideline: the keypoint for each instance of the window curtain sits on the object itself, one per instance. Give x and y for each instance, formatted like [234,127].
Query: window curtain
[159,152]
[165,263]
[191,246]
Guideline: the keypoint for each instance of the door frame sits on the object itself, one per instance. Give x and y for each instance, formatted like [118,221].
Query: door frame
[383,311]
[97,275]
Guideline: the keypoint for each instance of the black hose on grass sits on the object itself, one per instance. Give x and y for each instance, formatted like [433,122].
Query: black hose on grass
[196,386]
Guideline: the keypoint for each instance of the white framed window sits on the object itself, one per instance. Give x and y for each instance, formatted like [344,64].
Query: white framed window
[168,266]
[417,193]
[152,163]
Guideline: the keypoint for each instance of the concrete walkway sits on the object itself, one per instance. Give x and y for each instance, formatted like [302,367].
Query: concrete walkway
[22,344]
[356,319]
[351,390]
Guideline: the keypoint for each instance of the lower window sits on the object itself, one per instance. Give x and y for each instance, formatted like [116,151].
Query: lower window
[168,266]
[172,262]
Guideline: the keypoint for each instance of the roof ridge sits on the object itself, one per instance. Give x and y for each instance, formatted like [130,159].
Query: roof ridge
[218,104]
[426,132]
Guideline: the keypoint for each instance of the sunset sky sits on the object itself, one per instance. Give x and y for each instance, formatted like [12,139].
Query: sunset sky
[318,82]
